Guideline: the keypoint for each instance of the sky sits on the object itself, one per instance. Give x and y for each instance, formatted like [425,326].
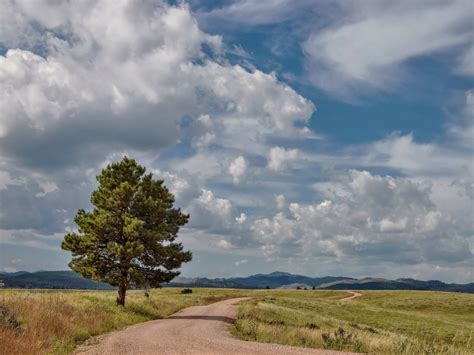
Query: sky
[313,137]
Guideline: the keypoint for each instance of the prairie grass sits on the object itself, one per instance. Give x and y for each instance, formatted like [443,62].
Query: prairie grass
[40,322]
[381,322]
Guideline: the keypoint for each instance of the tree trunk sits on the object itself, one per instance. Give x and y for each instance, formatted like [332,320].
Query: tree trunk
[121,295]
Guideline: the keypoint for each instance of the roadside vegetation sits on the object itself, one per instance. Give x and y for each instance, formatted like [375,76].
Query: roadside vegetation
[388,322]
[44,322]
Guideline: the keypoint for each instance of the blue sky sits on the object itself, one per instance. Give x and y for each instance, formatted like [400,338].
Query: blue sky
[315,137]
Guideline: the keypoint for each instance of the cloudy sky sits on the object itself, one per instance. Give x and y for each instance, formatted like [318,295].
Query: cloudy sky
[315,137]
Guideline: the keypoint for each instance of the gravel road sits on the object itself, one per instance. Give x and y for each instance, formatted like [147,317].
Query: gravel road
[194,330]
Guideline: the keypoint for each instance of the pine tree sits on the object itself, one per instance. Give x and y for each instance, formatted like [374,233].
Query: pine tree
[128,239]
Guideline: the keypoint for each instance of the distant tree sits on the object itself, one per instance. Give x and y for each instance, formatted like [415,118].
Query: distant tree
[314,288]
[298,287]
[268,287]
[128,239]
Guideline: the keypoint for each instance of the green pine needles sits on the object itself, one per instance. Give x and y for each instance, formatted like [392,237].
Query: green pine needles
[128,239]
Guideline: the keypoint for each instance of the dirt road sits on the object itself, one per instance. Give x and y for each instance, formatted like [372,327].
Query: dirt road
[352,296]
[194,330]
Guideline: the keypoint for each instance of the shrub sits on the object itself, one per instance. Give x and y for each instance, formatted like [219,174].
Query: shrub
[186,290]
[312,326]
[9,319]
[340,340]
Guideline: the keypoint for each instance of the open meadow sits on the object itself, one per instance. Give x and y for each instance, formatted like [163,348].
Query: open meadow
[392,322]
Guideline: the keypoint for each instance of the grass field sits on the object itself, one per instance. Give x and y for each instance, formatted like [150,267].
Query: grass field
[39,322]
[394,322]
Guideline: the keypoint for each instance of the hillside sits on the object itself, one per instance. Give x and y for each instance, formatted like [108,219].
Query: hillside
[71,280]
[51,280]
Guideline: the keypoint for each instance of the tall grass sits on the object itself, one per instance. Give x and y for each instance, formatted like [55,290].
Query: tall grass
[38,322]
[378,322]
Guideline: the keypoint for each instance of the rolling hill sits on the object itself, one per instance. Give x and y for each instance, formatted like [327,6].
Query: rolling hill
[71,280]
[51,280]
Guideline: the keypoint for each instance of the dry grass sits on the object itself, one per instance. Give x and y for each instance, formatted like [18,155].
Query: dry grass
[38,322]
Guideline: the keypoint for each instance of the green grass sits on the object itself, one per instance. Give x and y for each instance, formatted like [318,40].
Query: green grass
[393,322]
[390,322]
[39,322]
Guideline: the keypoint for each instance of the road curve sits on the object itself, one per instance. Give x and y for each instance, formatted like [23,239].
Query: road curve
[194,330]
[352,296]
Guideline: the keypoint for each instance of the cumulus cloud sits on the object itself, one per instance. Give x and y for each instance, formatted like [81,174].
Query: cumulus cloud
[241,219]
[280,158]
[85,83]
[117,88]
[380,218]
[211,212]
[101,92]
[237,169]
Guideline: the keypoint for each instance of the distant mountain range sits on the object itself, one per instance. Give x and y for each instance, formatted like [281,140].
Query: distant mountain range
[284,280]
[50,279]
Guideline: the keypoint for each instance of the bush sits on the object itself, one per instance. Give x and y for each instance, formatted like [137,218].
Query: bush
[341,340]
[8,318]
[186,290]
[312,326]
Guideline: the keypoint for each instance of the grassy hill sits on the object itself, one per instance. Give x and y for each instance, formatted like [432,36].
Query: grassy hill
[378,322]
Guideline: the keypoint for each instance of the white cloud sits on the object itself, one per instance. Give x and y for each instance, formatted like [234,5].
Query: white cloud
[280,201]
[179,186]
[255,13]
[384,219]
[241,262]
[218,206]
[370,43]
[403,153]
[241,219]
[46,187]
[85,82]
[211,213]
[7,180]
[224,244]
[132,91]
[466,62]
[237,169]
[279,158]
[30,238]
[387,225]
